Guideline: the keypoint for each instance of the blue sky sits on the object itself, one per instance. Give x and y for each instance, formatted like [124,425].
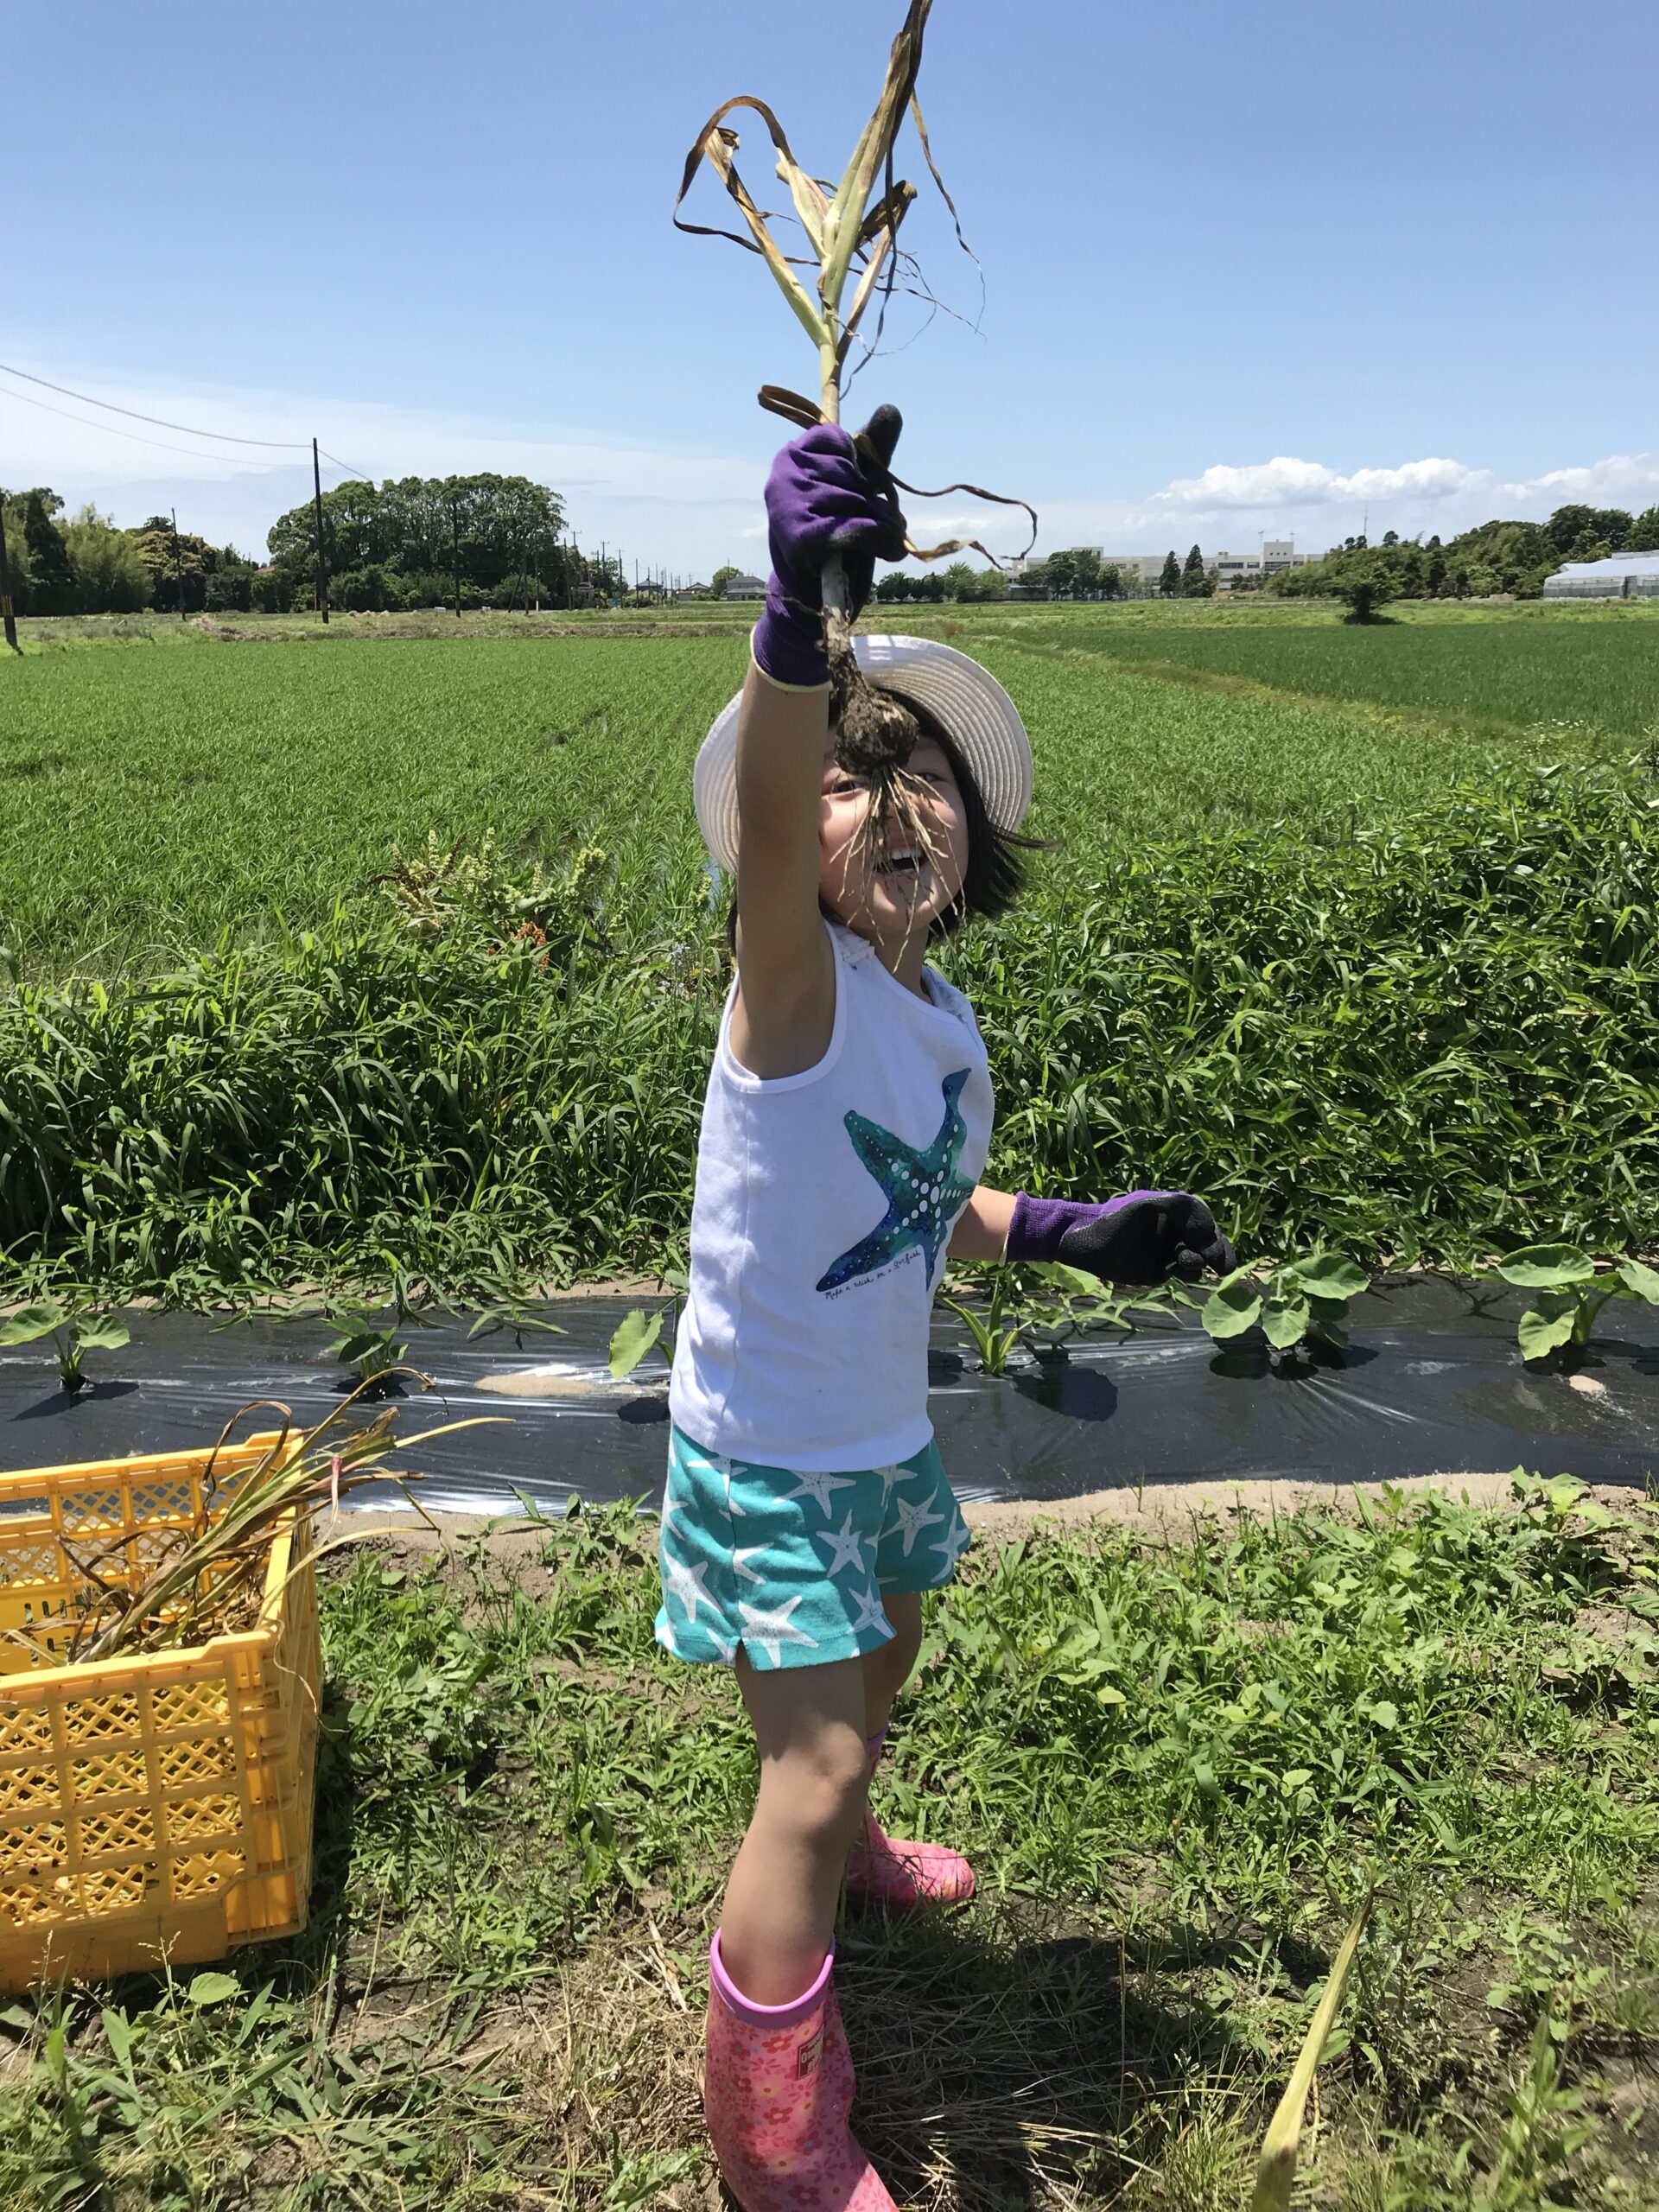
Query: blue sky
[1246,268]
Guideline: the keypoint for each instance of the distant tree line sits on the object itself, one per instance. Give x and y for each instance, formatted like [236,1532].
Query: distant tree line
[1495,557]
[415,541]
[82,564]
[403,544]
[1078,572]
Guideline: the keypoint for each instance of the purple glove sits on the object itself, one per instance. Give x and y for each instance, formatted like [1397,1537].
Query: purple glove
[820,500]
[1144,1237]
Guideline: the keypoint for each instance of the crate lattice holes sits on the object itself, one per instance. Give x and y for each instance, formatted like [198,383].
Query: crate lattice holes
[152,1806]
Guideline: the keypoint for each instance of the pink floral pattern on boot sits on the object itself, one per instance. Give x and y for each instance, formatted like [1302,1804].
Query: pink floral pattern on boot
[777,2092]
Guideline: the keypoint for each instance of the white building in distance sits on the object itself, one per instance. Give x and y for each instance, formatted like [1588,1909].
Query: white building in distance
[1277,553]
[1622,575]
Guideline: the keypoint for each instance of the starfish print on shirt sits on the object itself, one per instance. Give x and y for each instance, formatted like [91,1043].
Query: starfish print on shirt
[686,1583]
[872,1613]
[923,1190]
[952,1544]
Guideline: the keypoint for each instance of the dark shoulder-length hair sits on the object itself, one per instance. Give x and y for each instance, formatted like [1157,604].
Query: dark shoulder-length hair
[995,875]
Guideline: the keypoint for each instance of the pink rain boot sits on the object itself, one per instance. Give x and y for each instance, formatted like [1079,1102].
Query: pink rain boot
[903,1876]
[777,2089]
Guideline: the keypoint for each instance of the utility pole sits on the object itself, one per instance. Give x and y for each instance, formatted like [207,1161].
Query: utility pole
[178,563]
[323,558]
[5,585]
[455,537]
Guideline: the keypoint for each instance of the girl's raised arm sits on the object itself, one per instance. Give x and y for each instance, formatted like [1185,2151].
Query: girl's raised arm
[817,503]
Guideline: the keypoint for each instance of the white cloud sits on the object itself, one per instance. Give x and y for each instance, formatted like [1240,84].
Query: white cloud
[1284,482]
[1318,505]
[1621,480]
[688,511]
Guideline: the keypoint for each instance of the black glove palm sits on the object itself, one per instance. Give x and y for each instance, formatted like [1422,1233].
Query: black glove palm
[1148,1240]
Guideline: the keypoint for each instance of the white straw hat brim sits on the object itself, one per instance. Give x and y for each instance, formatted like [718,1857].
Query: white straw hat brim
[965,700]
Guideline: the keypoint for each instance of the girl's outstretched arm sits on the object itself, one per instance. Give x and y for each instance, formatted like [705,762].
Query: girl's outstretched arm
[785,1006]
[982,1229]
[817,503]
[1146,1236]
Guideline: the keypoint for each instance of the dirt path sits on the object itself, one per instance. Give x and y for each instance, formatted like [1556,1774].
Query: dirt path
[1167,1513]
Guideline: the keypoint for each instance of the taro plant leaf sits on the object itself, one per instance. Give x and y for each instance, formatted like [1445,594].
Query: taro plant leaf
[1326,1275]
[1546,1267]
[635,1335]
[1642,1282]
[1276,2170]
[106,1334]
[1330,1320]
[30,1323]
[1233,1306]
[1547,1323]
[1286,1322]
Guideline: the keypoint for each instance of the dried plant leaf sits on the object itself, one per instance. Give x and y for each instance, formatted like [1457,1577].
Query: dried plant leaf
[933,171]
[962,544]
[870,156]
[1276,2170]
[793,406]
[717,144]
[209,1579]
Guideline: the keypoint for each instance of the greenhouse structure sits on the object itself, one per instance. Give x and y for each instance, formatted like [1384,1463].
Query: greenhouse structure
[1622,575]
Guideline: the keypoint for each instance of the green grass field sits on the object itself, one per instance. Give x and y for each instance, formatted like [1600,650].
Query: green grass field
[1368,969]
[1360,935]
[150,798]
[1177,1769]
[1555,682]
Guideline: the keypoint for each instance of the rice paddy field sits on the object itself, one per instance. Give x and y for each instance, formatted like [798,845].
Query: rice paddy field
[1353,927]
[392,956]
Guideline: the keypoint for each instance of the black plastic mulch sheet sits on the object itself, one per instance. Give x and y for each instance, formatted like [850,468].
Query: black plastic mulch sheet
[1433,1383]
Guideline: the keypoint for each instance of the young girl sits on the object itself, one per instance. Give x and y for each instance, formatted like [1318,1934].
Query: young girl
[846,1122]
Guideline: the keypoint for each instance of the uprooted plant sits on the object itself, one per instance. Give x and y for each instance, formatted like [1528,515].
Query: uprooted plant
[208,1577]
[848,228]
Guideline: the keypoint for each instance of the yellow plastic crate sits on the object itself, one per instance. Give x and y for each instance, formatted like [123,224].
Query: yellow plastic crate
[156,1806]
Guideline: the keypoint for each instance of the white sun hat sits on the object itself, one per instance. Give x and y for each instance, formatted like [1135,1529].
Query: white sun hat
[965,700]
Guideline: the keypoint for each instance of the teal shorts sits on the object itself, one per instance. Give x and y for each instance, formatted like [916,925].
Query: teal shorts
[793,1567]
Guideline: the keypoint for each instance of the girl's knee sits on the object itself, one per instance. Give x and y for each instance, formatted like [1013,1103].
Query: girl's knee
[817,1791]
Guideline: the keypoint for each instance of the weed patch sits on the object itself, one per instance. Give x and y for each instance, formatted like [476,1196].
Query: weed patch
[1176,1769]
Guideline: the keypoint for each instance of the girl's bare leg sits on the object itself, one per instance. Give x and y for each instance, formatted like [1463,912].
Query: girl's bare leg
[780,1915]
[887,1670]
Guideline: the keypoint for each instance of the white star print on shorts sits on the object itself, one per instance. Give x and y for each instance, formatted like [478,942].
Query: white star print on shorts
[793,1567]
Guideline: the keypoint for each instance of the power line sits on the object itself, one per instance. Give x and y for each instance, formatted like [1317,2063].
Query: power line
[221,437]
[364,476]
[137,437]
[161,445]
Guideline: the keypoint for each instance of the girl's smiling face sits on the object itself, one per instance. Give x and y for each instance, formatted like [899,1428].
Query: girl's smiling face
[898,892]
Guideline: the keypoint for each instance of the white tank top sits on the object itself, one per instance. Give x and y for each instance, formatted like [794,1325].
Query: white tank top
[824,1201]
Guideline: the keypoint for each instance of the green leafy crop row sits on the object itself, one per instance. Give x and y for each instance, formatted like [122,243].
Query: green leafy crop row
[1432,1042]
